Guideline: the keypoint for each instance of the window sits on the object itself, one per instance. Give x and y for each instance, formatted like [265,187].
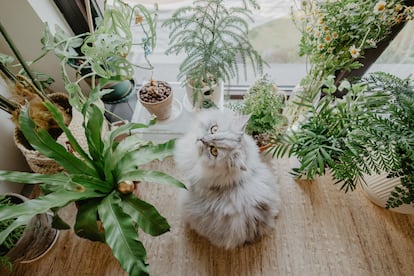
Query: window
[274,35]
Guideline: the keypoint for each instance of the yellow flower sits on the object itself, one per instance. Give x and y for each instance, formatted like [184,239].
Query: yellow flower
[380,7]
[335,35]
[320,47]
[308,28]
[328,38]
[354,51]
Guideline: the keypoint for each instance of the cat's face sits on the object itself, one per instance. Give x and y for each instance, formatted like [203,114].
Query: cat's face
[219,137]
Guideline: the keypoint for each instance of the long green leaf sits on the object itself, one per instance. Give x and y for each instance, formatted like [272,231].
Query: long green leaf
[151,176]
[58,179]
[93,132]
[86,225]
[72,140]
[26,210]
[132,160]
[122,237]
[45,144]
[146,215]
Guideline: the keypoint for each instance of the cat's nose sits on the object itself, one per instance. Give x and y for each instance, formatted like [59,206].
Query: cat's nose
[202,140]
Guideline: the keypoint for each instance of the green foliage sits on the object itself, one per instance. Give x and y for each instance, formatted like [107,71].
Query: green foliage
[92,178]
[335,34]
[393,135]
[264,102]
[370,130]
[12,238]
[325,141]
[214,38]
[102,54]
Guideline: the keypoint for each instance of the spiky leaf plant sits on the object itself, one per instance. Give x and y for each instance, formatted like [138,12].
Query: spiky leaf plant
[100,179]
[214,38]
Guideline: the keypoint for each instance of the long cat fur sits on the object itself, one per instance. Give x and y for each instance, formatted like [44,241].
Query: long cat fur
[232,198]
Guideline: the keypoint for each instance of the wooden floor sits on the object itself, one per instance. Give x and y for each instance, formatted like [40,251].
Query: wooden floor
[320,231]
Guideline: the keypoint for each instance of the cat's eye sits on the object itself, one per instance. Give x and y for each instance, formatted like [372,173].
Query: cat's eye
[213,129]
[213,151]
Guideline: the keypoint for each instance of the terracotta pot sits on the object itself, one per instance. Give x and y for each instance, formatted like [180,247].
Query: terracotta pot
[161,109]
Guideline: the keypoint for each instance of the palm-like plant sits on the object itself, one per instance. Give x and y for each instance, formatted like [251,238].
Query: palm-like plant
[101,179]
[214,38]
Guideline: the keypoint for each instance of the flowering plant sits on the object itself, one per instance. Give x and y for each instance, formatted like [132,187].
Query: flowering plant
[335,34]
[335,37]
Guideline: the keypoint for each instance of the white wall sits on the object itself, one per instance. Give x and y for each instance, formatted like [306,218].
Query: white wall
[25,24]
[10,156]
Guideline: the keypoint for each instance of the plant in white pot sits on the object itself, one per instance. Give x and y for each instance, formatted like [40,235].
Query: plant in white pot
[28,243]
[214,38]
[367,132]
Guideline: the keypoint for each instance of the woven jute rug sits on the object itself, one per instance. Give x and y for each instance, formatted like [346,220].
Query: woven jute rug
[320,231]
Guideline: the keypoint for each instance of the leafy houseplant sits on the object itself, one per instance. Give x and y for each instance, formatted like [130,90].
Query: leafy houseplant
[389,136]
[264,102]
[12,239]
[369,131]
[25,244]
[338,35]
[101,179]
[214,38]
[101,55]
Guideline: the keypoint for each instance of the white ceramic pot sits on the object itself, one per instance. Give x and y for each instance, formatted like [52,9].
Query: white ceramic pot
[196,97]
[378,189]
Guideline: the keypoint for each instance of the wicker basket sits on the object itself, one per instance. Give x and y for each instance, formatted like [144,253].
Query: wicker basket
[39,163]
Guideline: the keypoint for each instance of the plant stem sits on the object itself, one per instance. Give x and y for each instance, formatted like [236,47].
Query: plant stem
[22,61]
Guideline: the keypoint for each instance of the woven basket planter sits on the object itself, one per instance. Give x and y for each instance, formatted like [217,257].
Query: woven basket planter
[39,163]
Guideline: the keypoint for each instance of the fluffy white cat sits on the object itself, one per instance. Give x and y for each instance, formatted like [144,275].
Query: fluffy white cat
[232,196]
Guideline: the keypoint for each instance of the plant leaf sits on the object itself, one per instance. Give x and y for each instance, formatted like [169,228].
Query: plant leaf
[42,141]
[86,225]
[122,237]
[146,215]
[151,176]
[25,211]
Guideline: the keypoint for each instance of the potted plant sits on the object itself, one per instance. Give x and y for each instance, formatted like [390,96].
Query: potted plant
[367,132]
[30,87]
[214,38]
[25,243]
[342,38]
[264,102]
[157,98]
[100,179]
[389,140]
[101,55]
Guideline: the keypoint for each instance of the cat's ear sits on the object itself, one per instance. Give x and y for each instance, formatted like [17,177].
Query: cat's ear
[236,161]
[242,121]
